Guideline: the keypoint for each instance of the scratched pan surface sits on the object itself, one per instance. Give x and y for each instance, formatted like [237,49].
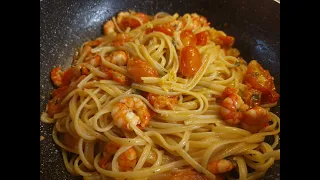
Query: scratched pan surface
[65,24]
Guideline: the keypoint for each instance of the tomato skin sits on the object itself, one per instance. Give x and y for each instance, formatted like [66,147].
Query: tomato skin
[258,78]
[270,98]
[190,61]
[67,77]
[202,38]
[60,91]
[138,68]
[54,106]
[164,29]
[188,38]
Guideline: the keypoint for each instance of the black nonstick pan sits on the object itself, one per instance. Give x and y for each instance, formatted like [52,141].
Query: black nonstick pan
[65,24]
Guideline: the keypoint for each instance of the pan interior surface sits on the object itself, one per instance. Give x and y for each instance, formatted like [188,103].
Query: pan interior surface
[66,24]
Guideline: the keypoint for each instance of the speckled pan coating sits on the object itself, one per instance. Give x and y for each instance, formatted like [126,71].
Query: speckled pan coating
[65,24]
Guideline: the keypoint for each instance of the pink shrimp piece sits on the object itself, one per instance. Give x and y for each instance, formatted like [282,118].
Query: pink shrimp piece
[130,110]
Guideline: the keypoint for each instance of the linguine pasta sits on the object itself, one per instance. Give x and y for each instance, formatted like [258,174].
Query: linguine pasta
[165,112]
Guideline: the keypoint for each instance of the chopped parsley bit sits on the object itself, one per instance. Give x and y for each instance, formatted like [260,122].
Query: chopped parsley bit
[237,63]
[255,97]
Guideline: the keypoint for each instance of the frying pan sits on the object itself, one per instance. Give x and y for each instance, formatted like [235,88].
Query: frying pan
[65,24]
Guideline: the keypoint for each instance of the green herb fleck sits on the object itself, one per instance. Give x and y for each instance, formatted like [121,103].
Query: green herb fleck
[255,97]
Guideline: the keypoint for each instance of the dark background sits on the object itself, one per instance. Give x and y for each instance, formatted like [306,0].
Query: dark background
[65,24]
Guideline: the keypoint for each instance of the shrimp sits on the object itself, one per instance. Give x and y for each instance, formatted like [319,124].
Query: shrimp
[235,111]
[93,43]
[120,78]
[220,166]
[198,21]
[111,147]
[255,119]
[105,162]
[60,78]
[232,107]
[130,110]
[108,27]
[56,76]
[126,161]
[116,76]
[94,61]
[120,39]
[162,102]
[121,16]
[119,58]
[224,41]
